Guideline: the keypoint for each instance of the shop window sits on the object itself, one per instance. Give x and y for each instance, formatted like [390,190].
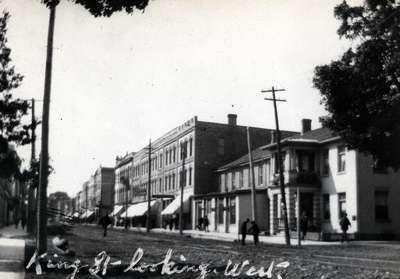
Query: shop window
[232,211]
[221,211]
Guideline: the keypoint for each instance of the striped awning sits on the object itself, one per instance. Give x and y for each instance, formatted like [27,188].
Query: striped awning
[117,209]
[176,204]
[138,209]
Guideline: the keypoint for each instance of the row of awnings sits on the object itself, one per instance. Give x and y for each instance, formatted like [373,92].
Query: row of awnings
[140,209]
[86,214]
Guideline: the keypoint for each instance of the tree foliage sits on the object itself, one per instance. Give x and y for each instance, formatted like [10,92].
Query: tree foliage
[11,110]
[55,197]
[31,176]
[361,90]
[105,7]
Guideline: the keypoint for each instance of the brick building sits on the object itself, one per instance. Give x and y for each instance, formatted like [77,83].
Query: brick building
[187,155]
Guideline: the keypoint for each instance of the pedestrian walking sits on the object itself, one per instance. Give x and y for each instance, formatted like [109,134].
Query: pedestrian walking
[206,223]
[16,218]
[105,221]
[255,230]
[243,230]
[303,225]
[344,225]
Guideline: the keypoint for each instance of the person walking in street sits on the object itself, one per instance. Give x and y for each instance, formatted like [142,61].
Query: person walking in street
[255,230]
[23,221]
[344,225]
[105,221]
[243,231]
[303,225]
[206,223]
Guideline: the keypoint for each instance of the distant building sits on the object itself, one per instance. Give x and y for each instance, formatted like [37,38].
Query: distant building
[331,179]
[96,198]
[202,146]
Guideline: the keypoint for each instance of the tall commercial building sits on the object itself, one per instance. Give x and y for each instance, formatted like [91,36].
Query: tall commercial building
[187,157]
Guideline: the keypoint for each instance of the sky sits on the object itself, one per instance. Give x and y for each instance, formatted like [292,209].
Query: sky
[119,81]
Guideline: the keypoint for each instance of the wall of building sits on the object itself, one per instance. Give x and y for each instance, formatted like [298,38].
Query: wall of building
[262,209]
[369,182]
[340,182]
[105,179]
[219,144]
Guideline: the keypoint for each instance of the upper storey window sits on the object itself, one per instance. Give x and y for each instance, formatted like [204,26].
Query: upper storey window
[341,158]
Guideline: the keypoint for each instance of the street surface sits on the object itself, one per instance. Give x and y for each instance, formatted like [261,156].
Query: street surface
[350,260]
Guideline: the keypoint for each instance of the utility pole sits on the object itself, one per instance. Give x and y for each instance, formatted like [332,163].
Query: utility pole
[41,232]
[298,216]
[182,184]
[30,226]
[253,184]
[33,123]
[279,160]
[148,191]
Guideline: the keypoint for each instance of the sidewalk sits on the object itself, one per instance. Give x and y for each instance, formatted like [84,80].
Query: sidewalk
[12,252]
[230,237]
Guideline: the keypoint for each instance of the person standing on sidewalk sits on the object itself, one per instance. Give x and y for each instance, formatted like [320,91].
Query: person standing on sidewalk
[255,230]
[16,218]
[344,225]
[303,225]
[243,231]
[206,223]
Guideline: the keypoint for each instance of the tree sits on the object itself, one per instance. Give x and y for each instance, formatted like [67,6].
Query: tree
[96,8]
[30,178]
[361,90]
[11,110]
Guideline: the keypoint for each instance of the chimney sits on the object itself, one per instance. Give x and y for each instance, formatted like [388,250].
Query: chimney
[232,119]
[305,125]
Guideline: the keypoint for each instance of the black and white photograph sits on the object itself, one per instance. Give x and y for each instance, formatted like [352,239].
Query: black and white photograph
[199,139]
